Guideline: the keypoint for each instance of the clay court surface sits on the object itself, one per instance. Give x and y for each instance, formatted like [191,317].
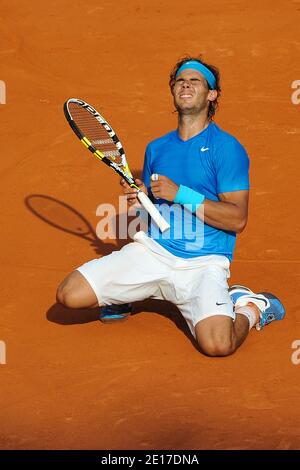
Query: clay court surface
[70,382]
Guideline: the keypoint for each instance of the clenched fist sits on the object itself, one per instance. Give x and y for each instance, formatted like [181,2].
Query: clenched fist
[162,187]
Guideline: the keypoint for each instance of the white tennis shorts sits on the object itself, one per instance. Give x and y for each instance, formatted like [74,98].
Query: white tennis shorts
[143,269]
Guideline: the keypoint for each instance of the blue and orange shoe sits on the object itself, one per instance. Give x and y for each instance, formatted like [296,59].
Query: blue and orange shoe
[270,307]
[114,313]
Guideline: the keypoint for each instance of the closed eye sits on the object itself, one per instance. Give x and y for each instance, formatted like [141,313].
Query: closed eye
[181,80]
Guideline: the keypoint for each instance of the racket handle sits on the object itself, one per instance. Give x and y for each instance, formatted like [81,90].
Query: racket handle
[155,214]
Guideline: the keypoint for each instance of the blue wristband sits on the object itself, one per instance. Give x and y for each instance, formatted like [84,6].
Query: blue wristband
[188,197]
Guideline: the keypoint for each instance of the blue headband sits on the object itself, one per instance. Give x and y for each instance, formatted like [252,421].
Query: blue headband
[207,74]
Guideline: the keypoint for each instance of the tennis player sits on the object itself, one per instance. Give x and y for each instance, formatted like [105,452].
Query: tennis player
[201,171]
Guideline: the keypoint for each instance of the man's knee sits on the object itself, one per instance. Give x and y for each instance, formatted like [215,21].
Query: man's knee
[214,336]
[60,294]
[67,296]
[216,347]
[75,292]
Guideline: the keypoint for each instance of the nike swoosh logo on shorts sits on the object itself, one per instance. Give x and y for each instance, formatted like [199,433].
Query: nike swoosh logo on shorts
[203,149]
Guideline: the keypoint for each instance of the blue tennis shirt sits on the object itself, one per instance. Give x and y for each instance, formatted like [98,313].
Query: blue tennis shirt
[211,163]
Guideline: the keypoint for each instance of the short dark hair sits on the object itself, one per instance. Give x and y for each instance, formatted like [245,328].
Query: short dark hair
[213,105]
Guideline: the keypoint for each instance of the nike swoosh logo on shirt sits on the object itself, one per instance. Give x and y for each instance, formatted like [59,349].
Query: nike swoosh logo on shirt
[203,149]
[221,303]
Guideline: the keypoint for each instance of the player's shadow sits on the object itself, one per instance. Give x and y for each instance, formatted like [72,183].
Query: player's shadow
[61,315]
[66,316]
[166,310]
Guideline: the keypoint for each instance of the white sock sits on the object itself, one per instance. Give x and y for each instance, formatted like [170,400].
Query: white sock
[249,313]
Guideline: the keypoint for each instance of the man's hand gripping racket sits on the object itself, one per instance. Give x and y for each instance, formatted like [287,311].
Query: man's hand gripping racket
[99,137]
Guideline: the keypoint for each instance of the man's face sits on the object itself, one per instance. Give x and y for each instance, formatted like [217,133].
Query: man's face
[190,92]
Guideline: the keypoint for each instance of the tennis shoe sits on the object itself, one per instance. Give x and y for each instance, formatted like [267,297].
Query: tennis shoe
[114,313]
[270,307]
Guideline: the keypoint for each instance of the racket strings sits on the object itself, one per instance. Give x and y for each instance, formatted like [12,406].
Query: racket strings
[95,132]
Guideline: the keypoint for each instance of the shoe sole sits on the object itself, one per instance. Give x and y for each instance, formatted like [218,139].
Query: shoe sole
[108,319]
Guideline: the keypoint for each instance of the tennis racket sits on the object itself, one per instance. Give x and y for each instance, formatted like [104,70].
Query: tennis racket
[99,137]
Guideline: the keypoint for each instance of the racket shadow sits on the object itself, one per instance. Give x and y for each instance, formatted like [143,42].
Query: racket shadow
[62,216]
